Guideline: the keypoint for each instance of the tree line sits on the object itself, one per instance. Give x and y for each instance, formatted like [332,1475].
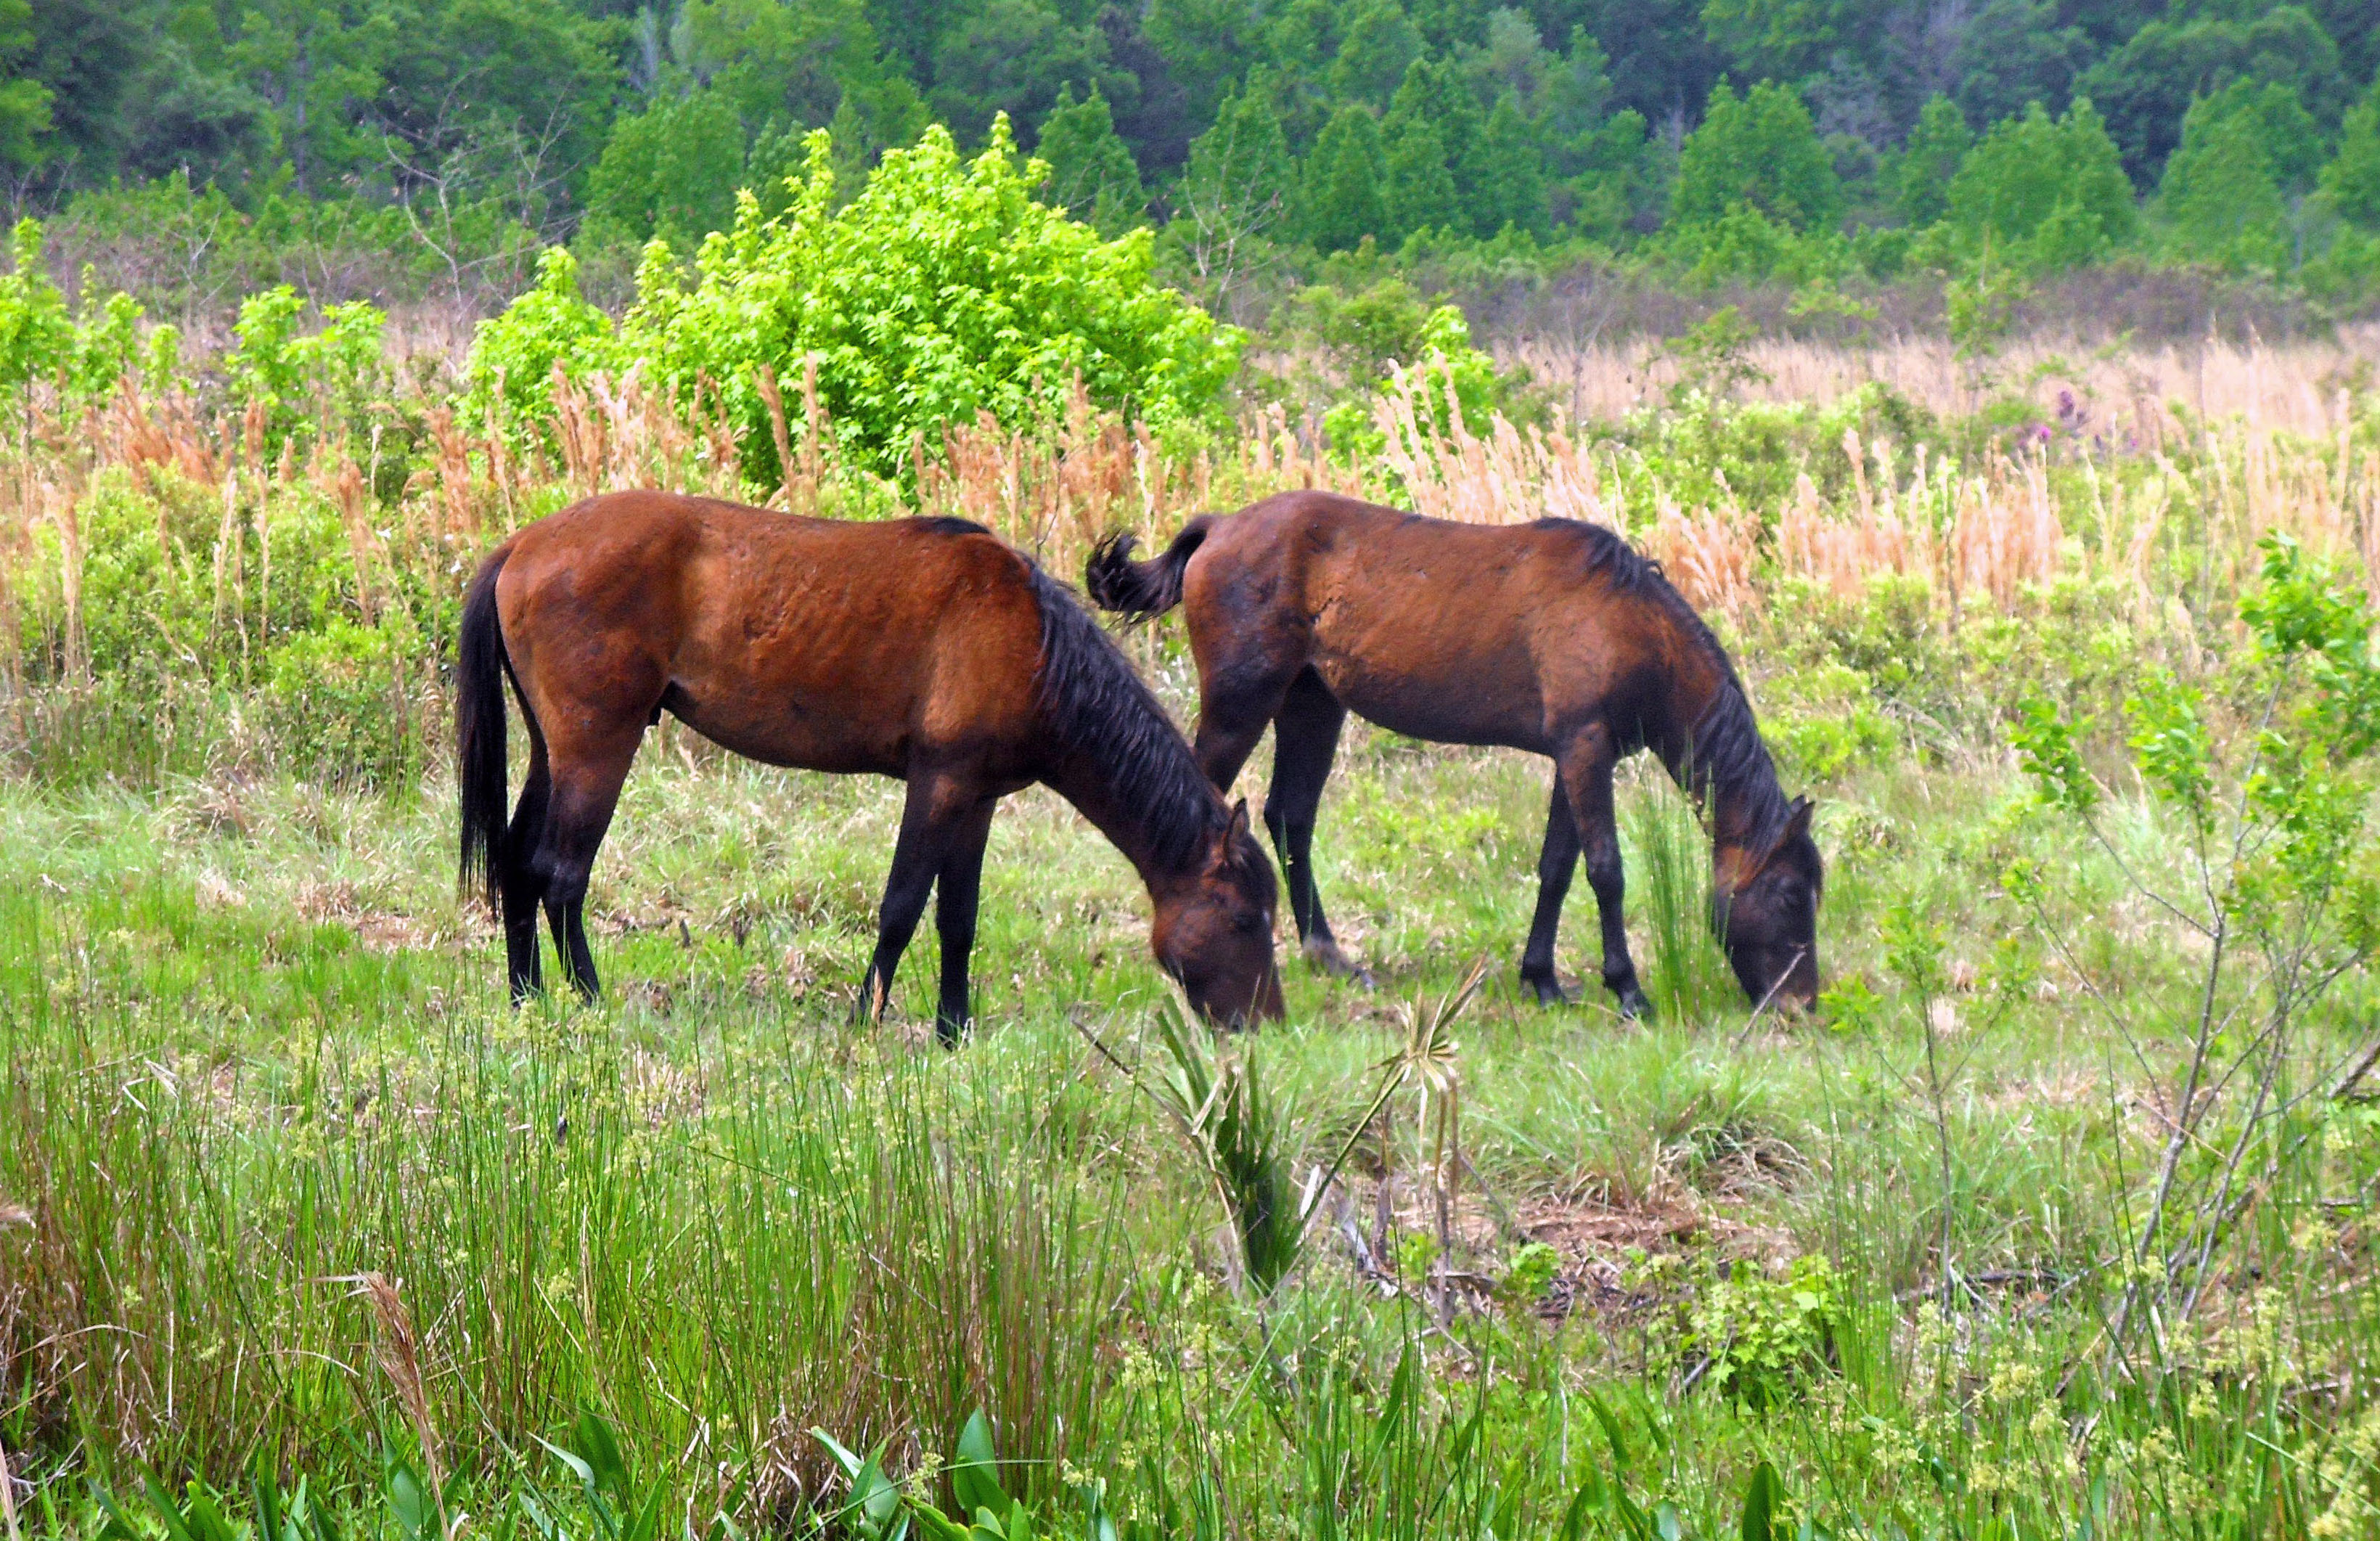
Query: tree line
[1806,141]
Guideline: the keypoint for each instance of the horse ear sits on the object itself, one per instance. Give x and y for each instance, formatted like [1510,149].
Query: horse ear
[1797,827]
[1238,829]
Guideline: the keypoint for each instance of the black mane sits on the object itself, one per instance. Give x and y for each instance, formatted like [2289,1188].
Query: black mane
[1097,707]
[1726,758]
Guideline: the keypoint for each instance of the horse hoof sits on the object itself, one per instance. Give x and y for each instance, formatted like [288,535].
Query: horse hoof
[1550,992]
[1326,956]
[1634,1006]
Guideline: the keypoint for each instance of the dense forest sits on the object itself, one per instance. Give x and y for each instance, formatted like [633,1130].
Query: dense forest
[391,147]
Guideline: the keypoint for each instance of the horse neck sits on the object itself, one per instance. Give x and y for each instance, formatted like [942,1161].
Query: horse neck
[1737,808]
[1092,787]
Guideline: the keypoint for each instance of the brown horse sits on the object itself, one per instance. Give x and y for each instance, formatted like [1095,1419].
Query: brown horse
[920,648]
[1555,638]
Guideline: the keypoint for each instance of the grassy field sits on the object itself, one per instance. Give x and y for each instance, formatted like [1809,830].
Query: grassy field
[2057,1220]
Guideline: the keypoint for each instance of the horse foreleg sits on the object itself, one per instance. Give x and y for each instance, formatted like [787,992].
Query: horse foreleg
[958,889]
[927,820]
[1587,776]
[1306,739]
[1556,864]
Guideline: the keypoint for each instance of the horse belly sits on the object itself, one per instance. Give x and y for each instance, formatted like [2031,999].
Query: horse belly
[846,718]
[1464,699]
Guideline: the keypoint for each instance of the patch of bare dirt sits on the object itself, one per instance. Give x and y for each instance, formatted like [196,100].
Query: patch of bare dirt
[379,930]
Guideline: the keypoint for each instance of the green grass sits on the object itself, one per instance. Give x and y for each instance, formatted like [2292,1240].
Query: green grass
[254,1050]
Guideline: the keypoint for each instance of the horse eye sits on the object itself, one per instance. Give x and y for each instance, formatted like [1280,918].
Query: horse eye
[1247,924]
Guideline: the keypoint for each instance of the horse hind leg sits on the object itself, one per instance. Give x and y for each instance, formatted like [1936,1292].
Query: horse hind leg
[1305,740]
[586,791]
[518,882]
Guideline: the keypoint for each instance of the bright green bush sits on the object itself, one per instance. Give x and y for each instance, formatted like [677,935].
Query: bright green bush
[943,291]
[328,376]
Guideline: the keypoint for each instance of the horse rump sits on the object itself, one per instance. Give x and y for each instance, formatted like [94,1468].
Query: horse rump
[1141,588]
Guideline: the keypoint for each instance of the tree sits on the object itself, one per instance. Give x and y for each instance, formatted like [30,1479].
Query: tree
[1922,177]
[24,102]
[2041,193]
[2145,87]
[1092,174]
[1419,193]
[2221,202]
[1382,43]
[1662,62]
[1433,133]
[2016,52]
[1789,39]
[1510,168]
[1011,58]
[2352,182]
[1238,185]
[1343,182]
[1760,151]
[942,290]
[793,65]
[670,170]
[87,55]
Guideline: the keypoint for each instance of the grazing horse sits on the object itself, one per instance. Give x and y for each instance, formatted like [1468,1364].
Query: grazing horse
[1554,636]
[920,648]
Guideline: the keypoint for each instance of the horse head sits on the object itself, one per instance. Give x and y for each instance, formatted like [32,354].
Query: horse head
[1765,908]
[1213,930]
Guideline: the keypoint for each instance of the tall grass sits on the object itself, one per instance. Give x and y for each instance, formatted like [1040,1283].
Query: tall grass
[300,1191]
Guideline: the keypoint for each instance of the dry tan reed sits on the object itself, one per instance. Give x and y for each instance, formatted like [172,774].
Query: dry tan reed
[397,1346]
[2126,392]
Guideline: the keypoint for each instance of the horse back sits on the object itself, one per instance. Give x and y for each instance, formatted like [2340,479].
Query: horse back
[1512,635]
[823,644]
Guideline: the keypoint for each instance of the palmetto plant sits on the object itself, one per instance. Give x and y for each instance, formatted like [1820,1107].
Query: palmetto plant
[1216,1099]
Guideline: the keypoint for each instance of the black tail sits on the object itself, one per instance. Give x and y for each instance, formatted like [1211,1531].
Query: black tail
[480,671]
[1151,588]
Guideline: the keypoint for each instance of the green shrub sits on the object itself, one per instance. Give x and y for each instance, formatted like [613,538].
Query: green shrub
[943,291]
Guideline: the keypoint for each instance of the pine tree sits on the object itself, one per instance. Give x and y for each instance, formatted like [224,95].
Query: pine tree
[2043,193]
[1928,160]
[1092,173]
[2220,201]
[1759,151]
[1420,192]
[1342,181]
[1379,44]
[1510,179]
[2351,181]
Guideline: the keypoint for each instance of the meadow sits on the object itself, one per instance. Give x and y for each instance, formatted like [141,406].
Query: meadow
[2056,1220]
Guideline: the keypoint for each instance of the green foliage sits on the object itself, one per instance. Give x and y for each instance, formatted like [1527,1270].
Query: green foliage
[1714,355]
[2047,751]
[1091,170]
[670,171]
[1343,203]
[1761,1333]
[2040,193]
[37,336]
[2221,201]
[1757,152]
[332,373]
[1931,157]
[943,289]
[2351,181]
[512,356]
[24,101]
